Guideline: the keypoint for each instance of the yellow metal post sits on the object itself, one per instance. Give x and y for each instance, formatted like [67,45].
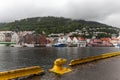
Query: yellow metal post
[58,66]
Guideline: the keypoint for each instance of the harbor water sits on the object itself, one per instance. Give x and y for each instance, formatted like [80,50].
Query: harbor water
[14,58]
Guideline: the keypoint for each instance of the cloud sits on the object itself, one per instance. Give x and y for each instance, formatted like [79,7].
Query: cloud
[92,9]
[106,11]
[113,20]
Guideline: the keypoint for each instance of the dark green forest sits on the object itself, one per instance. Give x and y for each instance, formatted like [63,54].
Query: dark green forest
[59,25]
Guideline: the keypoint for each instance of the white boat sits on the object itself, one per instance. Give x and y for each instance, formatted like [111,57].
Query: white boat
[29,45]
[59,45]
[16,45]
[48,45]
[2,45]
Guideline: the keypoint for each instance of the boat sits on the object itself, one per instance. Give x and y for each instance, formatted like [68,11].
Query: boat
[16,45]
[48,45]
[29,45]
[59,45]
[2,45]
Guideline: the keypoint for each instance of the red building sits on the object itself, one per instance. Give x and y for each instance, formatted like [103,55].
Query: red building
[43,39]
[29,39]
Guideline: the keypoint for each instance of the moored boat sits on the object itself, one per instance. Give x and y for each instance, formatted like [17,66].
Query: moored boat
[59,45]
[29,45]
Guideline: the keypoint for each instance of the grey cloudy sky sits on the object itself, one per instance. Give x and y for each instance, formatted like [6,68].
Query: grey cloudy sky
[105,11]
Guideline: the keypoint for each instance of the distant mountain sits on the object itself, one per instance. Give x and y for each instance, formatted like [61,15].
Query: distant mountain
[58,25]
[1,24]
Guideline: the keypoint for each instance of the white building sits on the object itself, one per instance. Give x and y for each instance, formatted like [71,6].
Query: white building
[15,37]
[81,44]
[2,37]
[75,40]
[61,40]
[69,40]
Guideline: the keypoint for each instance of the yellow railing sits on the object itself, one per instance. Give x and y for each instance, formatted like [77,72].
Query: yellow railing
[12,74]
[93,58]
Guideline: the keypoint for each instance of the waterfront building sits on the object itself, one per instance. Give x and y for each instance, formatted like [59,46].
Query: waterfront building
[75,40]
[28,39]
[69,40]
[115,41]
[2,37]
[15,37]
[62,40]
[82,42]
[106,39]
[8,37]
[43,40]
[101,43]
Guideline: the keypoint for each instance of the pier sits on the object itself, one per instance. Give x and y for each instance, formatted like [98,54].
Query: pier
[105,69]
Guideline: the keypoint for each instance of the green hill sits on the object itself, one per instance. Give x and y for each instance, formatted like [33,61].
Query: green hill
[58,25]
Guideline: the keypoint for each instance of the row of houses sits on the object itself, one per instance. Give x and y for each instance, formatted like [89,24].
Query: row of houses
[23,37]
[72,41]
[102,42]
[82,42]
[28,37]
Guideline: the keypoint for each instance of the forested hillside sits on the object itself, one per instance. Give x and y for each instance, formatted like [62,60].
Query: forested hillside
[58,25]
